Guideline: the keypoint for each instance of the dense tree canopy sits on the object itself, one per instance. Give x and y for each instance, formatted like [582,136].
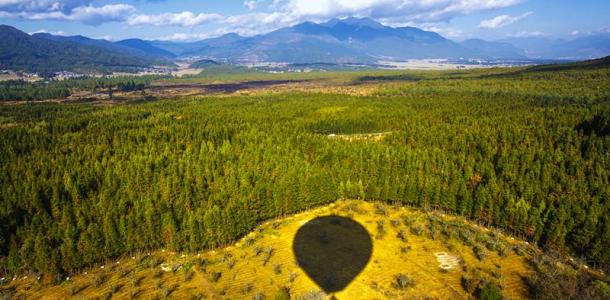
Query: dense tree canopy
[19,90]
[81,183]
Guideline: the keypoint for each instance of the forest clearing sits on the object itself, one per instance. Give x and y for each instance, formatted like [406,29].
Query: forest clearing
[405,241]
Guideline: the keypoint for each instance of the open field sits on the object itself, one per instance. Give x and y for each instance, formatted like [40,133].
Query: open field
[263,262]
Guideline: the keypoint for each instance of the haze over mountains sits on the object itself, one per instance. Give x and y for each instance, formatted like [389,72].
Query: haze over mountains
[348,40]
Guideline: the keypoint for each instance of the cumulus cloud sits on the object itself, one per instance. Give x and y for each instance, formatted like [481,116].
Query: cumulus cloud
[89,14]
[184,19]
[275,14]
[41,5]
[252,4]
[503,20]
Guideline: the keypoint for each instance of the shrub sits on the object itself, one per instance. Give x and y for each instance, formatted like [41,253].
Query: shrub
[402,281]
[283,294]
[268,253]
[188,276]
[469,283]
[478,252]
[401,235]
[247,288]
[489,291]
[98,280]
[135,281]
[405,249]
[230,263]
[407,220]
[259,296]
[417,230]
[380,229]
[123,272]
[215,276]
[115,288]
[380,209]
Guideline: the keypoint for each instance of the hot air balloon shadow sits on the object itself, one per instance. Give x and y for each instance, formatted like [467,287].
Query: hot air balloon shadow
[332,250]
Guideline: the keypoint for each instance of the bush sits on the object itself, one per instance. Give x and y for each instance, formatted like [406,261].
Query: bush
[215,276]
[471,282]
[188,276]
[115,288]
[268,253]
[380,229]
[489,291]
[283,294]
[259,296]
[402,281]
[417,230]
[401,235]
[157,273]
[135,281]
[380,209]
[247,288]
[98,280]
[478,252]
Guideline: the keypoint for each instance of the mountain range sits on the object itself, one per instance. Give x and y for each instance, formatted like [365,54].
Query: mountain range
[350,40]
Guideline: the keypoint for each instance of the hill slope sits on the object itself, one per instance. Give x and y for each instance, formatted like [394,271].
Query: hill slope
[146,47]
[41,53]
[270,260]
[399,253]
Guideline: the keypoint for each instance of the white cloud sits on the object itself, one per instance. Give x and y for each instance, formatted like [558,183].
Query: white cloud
[86,14]
[444,31]
[521,34]
[503,20]
[185,37]
[41,5]
[252,4]
[184,19]
[275,14]
[59,32]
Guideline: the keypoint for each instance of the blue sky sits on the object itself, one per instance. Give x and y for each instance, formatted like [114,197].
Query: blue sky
[193,20]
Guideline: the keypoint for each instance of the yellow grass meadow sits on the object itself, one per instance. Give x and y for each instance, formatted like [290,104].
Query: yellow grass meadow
[262,265]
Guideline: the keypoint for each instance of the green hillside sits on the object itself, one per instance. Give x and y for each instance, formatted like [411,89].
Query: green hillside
[22,52]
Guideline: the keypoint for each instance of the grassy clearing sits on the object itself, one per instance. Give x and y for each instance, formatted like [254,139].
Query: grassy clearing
[405,263]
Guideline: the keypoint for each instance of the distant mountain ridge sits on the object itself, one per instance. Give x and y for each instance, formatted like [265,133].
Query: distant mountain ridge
[337,41]
[48,53]
[364,40]
[349,40]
